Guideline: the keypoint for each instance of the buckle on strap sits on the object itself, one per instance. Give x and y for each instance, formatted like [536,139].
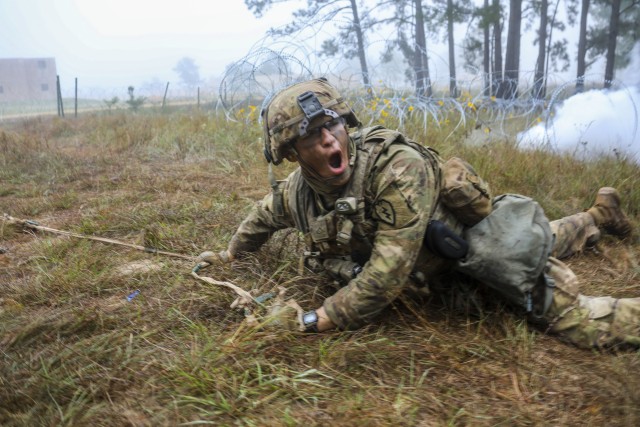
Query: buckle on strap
[343,236]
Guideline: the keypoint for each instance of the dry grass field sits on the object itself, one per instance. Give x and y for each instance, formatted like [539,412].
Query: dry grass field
[74,351]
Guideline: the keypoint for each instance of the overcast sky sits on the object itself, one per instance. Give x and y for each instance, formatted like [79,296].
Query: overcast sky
[122,42]
[117,43]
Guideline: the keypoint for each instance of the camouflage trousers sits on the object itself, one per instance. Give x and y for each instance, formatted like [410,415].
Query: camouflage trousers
[584,320]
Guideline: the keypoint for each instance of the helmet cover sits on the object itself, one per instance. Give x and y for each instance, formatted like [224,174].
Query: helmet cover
[290,111]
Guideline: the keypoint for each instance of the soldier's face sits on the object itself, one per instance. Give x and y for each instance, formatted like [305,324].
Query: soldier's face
[325,149]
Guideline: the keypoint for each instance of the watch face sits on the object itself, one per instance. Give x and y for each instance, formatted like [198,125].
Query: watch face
[310,317]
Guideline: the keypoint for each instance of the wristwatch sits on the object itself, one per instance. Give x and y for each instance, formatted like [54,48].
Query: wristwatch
[310,321]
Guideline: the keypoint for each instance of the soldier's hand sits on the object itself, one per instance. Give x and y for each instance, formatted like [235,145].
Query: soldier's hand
[209,257]
[282,314]
[286,317]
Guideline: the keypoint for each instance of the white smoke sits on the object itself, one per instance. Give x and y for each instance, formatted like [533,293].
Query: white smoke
[596,122]
[592,123]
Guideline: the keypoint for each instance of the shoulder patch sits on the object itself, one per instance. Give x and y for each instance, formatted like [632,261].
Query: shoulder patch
[383,211]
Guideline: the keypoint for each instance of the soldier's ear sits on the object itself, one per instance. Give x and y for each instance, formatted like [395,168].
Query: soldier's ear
[291,157]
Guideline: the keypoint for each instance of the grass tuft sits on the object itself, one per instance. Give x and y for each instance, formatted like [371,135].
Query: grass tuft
[75,351]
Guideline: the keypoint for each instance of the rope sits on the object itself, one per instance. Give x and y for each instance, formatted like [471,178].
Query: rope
[33,225]
[244,297]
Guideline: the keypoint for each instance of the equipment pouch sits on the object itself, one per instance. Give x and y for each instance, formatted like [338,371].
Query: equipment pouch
[465,194]
[442,241]
[342,269]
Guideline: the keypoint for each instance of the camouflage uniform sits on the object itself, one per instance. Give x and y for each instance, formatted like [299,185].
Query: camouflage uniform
[401,192]
[583,320]
[390,246]
[388,243]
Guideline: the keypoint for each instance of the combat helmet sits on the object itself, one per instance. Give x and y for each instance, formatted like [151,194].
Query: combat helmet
[289,113]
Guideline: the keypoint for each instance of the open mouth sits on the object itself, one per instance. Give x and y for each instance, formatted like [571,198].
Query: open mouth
[335,161]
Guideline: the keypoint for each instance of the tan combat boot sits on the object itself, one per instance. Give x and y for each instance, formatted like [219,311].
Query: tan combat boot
[607,214]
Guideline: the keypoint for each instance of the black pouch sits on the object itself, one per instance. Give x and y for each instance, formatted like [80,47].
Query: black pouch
[442,241]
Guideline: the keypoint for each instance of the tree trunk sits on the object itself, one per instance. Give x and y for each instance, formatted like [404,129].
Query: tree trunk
[512,57]
[421,61]
[582,46]
[611,47]
[538,79]
[360,38]
[497,51]
[486,60]
[549,39]
[453,88]
[425,65]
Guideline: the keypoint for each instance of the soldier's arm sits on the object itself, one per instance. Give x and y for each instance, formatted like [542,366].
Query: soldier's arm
[404,192]
[259,225]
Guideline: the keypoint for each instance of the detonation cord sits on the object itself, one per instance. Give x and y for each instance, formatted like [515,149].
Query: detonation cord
[33,225]
[244,296]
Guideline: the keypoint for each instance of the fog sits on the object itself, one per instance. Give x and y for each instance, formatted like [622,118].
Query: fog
[110,45]
[116,43]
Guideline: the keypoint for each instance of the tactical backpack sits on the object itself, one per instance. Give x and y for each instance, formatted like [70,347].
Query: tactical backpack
[508,251]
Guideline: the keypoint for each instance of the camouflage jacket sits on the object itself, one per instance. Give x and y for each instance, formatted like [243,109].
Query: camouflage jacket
[400,190]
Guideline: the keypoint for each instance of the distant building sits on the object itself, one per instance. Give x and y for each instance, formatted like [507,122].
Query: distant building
[27,79]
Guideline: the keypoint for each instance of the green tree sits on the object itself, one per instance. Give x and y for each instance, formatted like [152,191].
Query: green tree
[188,71]
[509,86]
[110,103]
[485,25]
[497,47]
[582,46]
[551,53]
[614,33]
[134,102]
[539,76]
[344,14]
[480,51]
[612,39]
[409,20]
[421,64]
[486,52]
[445,14]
